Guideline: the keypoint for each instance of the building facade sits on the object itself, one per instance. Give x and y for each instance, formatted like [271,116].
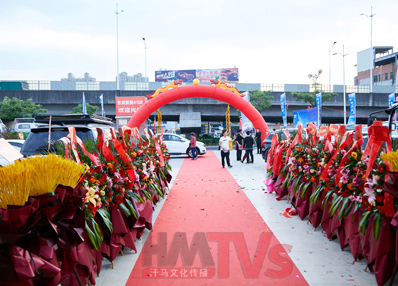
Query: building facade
[384,62]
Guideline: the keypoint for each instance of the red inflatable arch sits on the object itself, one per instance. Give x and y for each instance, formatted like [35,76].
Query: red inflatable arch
[200,91]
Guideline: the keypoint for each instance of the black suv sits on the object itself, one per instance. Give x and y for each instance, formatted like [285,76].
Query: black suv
[85,125]
[266,146]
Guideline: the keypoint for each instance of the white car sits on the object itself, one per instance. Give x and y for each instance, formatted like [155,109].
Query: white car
[177,145]
[27,126]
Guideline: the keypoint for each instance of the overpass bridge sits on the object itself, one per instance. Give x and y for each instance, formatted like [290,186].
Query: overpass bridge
[63,101]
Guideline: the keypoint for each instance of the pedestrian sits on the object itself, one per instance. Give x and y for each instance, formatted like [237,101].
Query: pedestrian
[224,146]
[258,140]
[192,145]
[248,143]
[239,145]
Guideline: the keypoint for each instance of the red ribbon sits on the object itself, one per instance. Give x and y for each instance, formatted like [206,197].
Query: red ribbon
[72,136]
[102,147]
[270,156]
[295,140]
[343,145]
[357,144]
[278,160]
[377,135]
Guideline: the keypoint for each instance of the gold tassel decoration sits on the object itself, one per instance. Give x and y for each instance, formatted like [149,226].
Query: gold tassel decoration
[37,176]
[391,159]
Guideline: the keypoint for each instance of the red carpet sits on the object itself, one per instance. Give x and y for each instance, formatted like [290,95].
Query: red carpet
[209,233]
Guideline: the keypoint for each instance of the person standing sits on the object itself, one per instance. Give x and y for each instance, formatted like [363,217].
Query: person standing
[192,145]
[248,143]
[239,145]
[258,140]
[224,146]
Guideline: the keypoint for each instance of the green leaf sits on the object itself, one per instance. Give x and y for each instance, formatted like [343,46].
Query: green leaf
[326,199]
[343,207]
[147,196]
[297,183]
[131,208]
[335,205]
[378,221]
[125,210]
[106,219]
[314,197]
[357,206]
[348,210]
[90,235]
[284,184]
[364,221]
[305,189]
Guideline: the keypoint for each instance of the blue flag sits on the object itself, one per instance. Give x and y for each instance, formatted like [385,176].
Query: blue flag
[283,109]
[353,109]
[391,99]
[318,98]
[101,97]
[84,105]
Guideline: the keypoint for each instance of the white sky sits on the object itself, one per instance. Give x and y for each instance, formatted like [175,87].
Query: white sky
[269,41]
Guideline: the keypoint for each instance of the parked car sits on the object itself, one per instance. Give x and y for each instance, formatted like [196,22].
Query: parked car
[178,145]
[3,127]
[266,145]
[85,125]
[26,127]
[17,144]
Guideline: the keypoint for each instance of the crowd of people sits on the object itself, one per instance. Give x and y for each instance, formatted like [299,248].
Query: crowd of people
[242,142]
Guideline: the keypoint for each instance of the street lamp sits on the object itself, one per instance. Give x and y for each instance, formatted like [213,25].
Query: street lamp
[145,58]
[344,94]
[330,64]
[117,44]
[371,46]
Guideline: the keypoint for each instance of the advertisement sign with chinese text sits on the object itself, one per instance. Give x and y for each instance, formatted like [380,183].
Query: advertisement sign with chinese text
[128,106]
[229,75]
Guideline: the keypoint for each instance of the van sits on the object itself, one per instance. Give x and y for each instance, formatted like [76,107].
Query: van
[26,127]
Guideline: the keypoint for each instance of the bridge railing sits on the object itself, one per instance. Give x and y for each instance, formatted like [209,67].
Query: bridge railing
[274,87]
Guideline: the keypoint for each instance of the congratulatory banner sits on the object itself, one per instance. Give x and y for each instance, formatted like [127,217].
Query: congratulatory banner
[204,75]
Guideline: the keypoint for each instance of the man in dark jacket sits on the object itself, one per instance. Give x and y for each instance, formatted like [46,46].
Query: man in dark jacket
[239,145]
[248,143]
[258,140]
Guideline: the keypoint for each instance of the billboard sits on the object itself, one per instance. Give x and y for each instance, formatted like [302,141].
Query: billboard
[204,75]
[303,117]
[128,106]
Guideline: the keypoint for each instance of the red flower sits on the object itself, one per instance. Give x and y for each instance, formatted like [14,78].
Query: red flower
[379,198]
[119,199]
[98,169]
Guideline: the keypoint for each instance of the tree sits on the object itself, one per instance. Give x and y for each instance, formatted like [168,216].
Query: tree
[309,97]
[260,99]
[17,108]
[91,109]
[315,78]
